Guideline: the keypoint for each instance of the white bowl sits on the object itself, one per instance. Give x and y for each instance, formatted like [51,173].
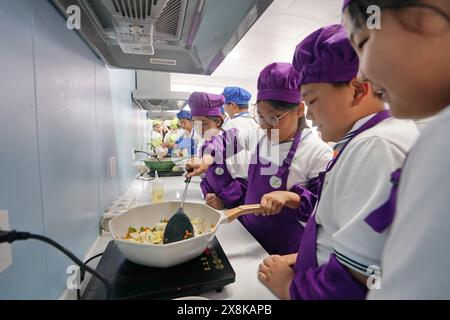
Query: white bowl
[162,255]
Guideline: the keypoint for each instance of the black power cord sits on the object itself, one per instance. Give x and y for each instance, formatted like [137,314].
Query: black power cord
[83,274]
[89,260]
[13,235]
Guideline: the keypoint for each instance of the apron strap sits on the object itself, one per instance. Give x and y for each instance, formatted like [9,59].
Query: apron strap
[192,143]
[381,218]
[376,119]
[287,162]
[307,256]
[372,122]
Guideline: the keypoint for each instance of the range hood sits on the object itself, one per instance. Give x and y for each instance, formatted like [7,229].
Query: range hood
[185,36]
[154,95]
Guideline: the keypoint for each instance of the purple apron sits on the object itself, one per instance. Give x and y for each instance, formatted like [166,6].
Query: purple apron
[381,218]
[332,280]
[280,233]
[217,178]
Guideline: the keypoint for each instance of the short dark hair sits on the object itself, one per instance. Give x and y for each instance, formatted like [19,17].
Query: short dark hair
[339,85]
[217,119]
[242,106]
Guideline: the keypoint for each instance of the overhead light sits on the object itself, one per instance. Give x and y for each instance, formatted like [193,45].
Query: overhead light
[167,62]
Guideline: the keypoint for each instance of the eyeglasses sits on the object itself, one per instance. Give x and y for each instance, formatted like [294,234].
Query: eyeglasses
[272,120]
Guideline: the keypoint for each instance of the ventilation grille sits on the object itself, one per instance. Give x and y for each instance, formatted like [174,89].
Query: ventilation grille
[134,9]
[169,20]
[158,105]
[169,15]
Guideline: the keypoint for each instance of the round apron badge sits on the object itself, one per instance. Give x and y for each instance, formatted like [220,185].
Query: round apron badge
[275,182]
[219,171]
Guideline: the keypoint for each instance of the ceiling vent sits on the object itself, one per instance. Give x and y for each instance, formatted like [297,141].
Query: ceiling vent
[185,36]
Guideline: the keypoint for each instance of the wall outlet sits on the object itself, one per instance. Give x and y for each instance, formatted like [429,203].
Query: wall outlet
[5,248]
[112,167]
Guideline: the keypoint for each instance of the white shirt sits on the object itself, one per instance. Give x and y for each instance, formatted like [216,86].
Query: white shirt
[416,259]
[247,139]
[311,157]
[423,123]
[187,135]
[240,122]
[358,184]
[176,133]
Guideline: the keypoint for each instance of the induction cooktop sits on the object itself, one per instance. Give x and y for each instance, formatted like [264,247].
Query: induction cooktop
[129,281]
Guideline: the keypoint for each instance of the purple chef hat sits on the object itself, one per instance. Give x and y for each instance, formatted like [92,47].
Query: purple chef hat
[279,81]
[326,55]
[346,3]
[205,104]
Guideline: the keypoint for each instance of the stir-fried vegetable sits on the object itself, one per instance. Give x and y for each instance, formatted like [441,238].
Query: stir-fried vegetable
[154,235]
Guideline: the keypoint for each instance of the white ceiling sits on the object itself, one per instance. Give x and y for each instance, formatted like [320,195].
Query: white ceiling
[272,38]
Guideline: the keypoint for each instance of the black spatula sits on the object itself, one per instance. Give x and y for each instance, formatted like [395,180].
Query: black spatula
[179,227]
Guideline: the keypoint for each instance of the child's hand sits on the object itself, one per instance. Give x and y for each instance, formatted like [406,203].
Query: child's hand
[168,145]
[273,203]
[214,201]
[277,275]
[290,259]
[197,166]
